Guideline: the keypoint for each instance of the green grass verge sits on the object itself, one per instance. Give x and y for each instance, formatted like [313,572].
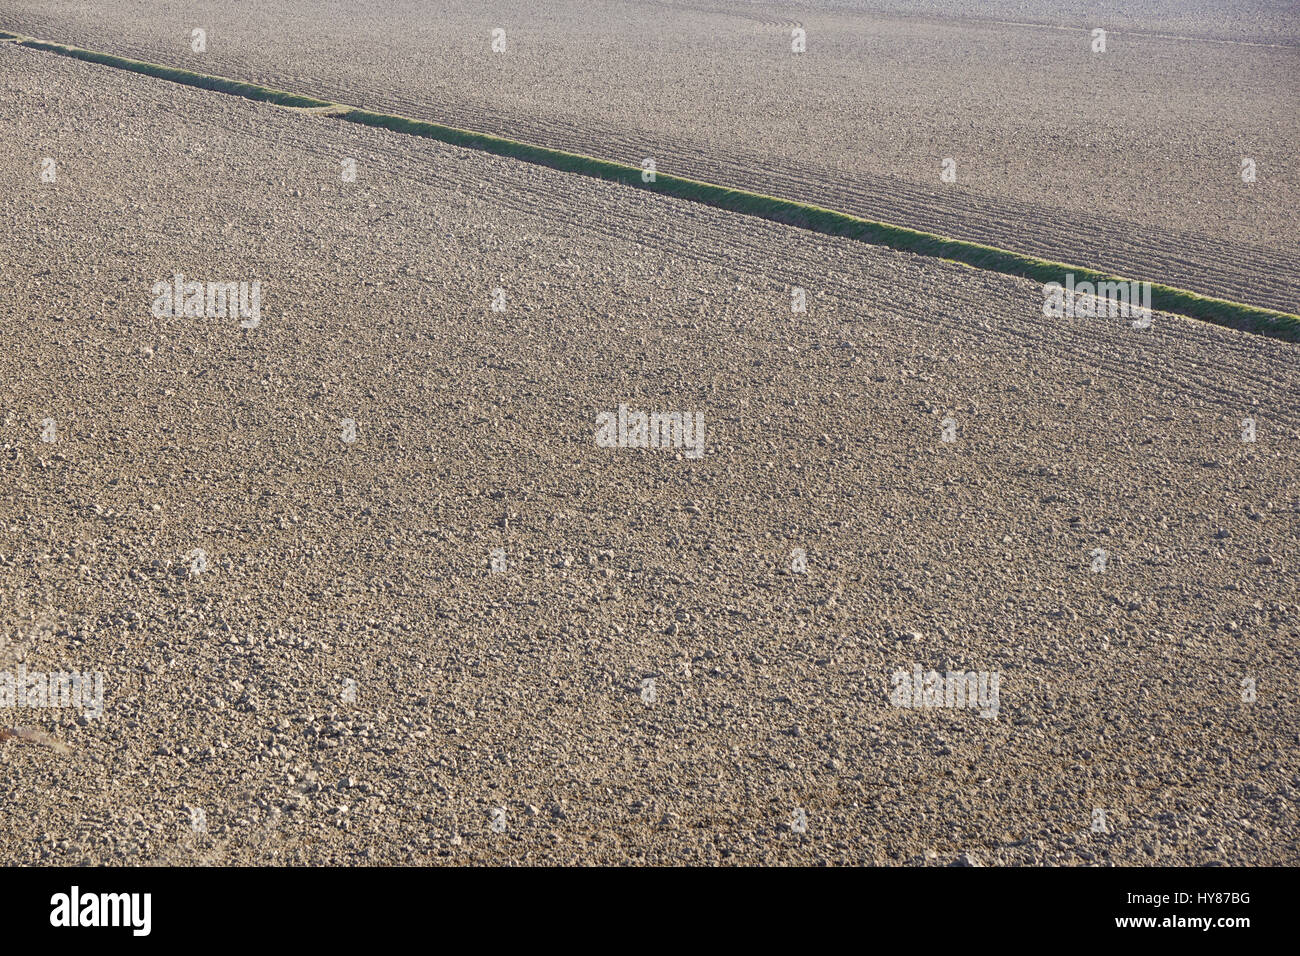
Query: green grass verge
[250,91]
[1237,315]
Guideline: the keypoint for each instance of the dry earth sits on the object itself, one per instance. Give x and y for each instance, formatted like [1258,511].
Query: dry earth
[328,562]
[1128,161]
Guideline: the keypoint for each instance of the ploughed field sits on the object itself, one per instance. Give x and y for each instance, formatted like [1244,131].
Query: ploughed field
[1128,160]
[650,673]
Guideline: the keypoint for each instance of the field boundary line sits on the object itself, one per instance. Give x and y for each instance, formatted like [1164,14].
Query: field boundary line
[1164,298]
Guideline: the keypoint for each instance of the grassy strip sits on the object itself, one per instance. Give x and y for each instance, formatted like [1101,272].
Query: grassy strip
[1237,315]
[203,81]
[829,222]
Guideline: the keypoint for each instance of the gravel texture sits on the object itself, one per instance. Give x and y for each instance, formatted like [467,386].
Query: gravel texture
[1128,160]
[770,736]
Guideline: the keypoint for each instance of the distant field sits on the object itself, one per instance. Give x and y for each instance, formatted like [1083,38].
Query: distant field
[1126,161]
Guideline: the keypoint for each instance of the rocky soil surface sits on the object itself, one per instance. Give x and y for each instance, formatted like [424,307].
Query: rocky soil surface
[1128,160]
[679,660]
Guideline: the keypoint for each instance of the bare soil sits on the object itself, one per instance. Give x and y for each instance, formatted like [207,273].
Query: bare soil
[367,565]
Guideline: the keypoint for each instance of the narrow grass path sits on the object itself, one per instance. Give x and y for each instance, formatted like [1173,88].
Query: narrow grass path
[1236,315]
